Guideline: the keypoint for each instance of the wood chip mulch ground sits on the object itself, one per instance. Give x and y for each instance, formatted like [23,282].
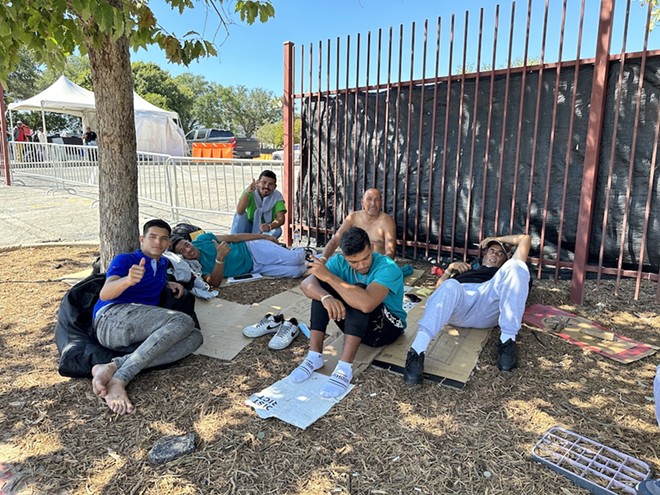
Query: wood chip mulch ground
[383,438]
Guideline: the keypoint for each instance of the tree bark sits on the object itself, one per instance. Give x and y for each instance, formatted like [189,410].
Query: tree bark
[118,186]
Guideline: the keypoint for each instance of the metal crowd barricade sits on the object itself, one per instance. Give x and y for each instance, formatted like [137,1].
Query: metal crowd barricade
[207,189]
[202,190]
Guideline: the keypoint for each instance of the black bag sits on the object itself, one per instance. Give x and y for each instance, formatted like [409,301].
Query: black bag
[74,335]
[74,332]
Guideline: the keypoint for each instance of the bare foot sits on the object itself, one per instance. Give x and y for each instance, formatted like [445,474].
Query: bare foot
[117,398]
[102,374]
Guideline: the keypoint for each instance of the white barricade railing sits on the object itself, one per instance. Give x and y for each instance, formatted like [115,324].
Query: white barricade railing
[191,189]
[208,189]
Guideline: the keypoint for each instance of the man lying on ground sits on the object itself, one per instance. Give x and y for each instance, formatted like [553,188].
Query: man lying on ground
[363,292]
[494,293]
[236,254]
[127,318]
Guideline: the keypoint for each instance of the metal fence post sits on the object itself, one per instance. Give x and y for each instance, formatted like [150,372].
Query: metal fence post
[592,150]
[289,120]
[5,147]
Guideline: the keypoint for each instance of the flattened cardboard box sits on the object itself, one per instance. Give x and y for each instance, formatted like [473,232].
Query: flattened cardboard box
[293,303]
[587,334]
[449,360]
[222,325]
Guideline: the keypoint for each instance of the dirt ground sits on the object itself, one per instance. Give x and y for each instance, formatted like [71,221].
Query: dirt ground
[383,438]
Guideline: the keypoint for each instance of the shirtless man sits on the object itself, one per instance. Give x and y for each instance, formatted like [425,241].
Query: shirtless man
[379,226]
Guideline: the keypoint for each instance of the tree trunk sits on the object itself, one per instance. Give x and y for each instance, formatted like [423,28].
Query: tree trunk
[118,191]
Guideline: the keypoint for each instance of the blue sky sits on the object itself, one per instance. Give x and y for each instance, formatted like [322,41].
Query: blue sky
[253,55]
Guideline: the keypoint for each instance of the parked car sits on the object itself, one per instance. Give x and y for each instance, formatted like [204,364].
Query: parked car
[279,155]
[204,135]
[247,148]
[242,147]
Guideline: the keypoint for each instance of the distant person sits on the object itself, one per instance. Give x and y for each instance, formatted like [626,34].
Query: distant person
[379,225]
[21,134]
[261,208]
[89,138]
[127,318]
[237,254]
[41,136]
[362,291]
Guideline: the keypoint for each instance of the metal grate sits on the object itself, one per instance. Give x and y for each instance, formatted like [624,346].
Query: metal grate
[599,469]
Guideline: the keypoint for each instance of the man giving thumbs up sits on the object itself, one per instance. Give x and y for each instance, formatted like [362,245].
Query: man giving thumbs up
[127,318]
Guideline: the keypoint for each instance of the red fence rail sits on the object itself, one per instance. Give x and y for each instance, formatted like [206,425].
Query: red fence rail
[565,150]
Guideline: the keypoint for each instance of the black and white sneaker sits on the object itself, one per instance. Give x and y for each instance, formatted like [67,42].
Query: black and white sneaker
[286,334]
[268,324]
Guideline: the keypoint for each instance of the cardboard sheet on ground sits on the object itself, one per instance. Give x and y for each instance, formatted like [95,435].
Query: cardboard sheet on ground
[413,277]
[298,404]
[293,303]
[587,334]
[222,325]
[450,359]
[73,278]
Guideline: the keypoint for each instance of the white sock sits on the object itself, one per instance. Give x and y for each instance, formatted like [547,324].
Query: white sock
[338,381]
[422,341]
[311,363]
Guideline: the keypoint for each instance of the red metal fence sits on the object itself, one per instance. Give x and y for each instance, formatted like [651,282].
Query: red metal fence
[562,149]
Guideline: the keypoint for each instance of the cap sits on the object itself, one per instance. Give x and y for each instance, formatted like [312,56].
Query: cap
[505,247]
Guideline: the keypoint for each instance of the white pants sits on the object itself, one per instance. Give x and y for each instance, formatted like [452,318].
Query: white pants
[273,260]
[501,301]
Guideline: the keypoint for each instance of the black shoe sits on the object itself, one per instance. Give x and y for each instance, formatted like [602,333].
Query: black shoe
[414,372]
[507,355]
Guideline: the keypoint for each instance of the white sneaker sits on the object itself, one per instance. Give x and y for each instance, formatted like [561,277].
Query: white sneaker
[285,335]
[268,324]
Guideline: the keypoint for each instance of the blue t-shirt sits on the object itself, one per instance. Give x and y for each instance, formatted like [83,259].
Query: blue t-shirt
[383,271]
[237,262]
[146,291]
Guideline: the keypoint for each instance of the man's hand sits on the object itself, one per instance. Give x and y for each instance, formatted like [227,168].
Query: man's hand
[319,270]
[136,272]
[486,241]
[177,289]
[458,267]
[265,227]
[222,250]
[270,238]
[335,308]
[253,186]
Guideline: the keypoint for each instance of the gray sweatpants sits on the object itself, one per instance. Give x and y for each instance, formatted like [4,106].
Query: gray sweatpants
[501,301]
[273,260]
[149,335]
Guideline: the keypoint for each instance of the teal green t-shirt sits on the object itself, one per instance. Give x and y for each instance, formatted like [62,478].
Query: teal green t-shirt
[237,262]
[383,271]
[252,208]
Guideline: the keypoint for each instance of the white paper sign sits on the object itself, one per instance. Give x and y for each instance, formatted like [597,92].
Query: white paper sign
[298,404]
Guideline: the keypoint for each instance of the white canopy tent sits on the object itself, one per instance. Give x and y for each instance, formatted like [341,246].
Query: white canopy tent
[157,130]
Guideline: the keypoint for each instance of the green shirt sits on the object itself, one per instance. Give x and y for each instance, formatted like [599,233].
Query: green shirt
[252,207]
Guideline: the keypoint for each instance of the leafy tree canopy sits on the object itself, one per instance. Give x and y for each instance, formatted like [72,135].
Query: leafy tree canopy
[272,135]
[249,109]
[55,29]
